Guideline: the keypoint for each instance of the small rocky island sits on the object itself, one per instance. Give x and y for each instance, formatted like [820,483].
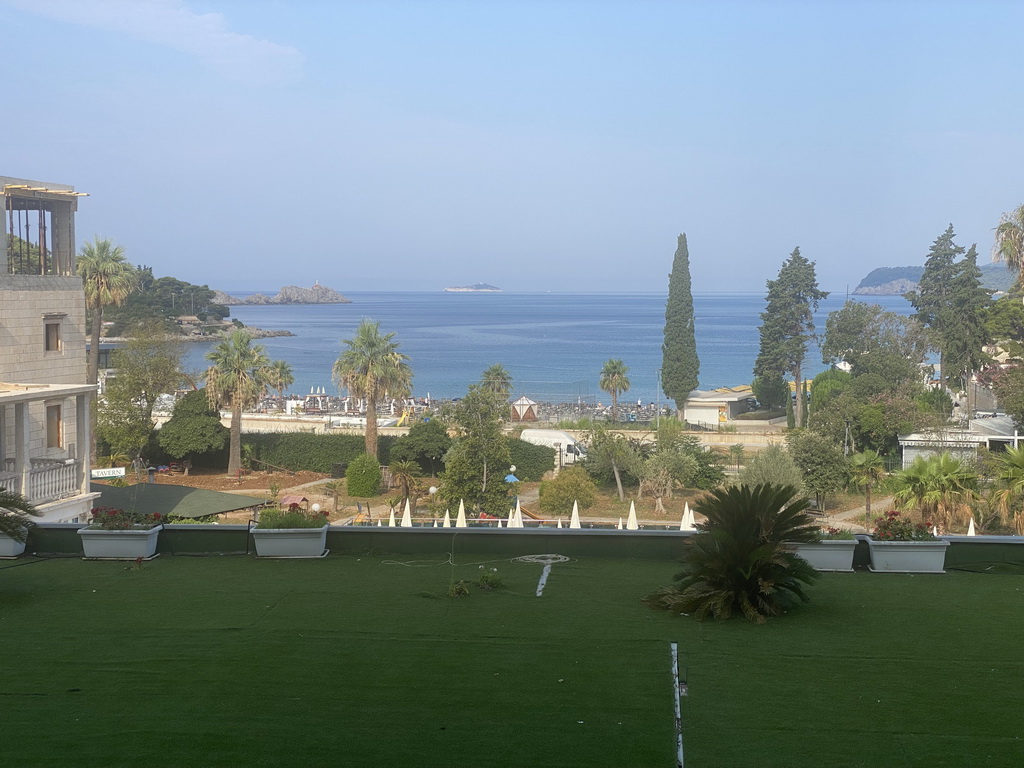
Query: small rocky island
[289,294]
[478,288]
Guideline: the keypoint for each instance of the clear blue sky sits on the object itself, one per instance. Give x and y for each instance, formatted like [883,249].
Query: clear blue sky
[553,145]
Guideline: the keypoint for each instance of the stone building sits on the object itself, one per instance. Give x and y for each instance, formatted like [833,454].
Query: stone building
[44,398]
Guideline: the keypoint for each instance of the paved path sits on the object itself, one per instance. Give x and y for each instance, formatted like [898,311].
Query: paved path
[842,519]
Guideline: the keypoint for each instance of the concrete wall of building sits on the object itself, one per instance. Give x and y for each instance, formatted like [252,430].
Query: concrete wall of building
[27,304]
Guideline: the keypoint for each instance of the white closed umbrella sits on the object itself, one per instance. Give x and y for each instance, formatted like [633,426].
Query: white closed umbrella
[574,521]
[559,523]
[631,521]
[460,521]
[447,520]
[619,526]
[407,516]
[391,520]
[970,528]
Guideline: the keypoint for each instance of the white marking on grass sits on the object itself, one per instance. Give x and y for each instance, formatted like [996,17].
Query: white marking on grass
[674,648]
[543,579]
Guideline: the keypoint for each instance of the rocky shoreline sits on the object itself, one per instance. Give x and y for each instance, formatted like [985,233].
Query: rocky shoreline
[289,294]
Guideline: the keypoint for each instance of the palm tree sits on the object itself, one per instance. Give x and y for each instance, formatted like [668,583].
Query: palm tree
[939,487]
[240,375]
[108,280]
[867,468]
[1009,245]
[281,376]
[373,368]
[496,378]
[15,512]
[741,557]
[1011,476]
[613,381]
[404,472]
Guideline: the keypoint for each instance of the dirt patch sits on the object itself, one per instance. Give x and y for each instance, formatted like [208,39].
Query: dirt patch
[213,480]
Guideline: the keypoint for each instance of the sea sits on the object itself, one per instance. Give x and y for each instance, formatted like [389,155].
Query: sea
[553,344]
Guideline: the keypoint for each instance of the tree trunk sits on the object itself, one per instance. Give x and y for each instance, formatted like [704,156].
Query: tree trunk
[235,448]
[798,411]
[658,506]
[618,481]
[371,425]
[867,500]
[615,408]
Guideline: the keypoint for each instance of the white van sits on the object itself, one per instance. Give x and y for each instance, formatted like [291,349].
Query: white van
[571,450]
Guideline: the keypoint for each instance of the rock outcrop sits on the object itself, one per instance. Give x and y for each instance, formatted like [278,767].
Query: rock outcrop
[289,294]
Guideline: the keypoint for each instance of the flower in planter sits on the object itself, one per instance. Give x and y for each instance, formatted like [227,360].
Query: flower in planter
[113,519]
[831,533]
[893,527]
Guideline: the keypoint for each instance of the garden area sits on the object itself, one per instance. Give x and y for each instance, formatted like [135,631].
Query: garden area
[365,660]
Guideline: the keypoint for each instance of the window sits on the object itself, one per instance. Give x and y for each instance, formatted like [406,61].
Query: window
[52,343]
[54,427]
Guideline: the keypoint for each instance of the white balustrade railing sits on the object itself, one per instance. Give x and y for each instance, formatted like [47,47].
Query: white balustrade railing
[52,480]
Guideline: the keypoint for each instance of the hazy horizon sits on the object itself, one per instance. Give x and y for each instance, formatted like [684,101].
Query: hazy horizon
[558,145]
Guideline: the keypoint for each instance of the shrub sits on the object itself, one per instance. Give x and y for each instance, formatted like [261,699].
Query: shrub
[458,589]
[740,558]
[363,476]
[572,484]
[892,527]
[531,461]
[293,517]
[489,579]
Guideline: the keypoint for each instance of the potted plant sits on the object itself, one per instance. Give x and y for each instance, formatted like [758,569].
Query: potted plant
[832,552]
[15,521]
[291,532]
[120,534]
[900,546]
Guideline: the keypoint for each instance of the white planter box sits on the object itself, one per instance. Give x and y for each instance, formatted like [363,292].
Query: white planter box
[9,547]
[828,555]
[290,542]
[908,556]
[119,545]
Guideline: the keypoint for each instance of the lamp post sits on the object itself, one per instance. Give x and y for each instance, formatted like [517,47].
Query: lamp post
[657,386]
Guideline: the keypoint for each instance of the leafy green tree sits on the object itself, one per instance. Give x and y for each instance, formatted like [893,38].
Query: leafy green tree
[964,334]
[680,366]
[194,428]
[372,367]
[771,391]
[239,375]
[663,472]
[787,323]
[614,380]
[771,465]
[939,487]
[821,464]
[496,378]
[108,280]
[867,469]
[426,443]
[148,365]
[1004,324]
[162,300]
[1009,245]
[740,559]
[16,515]
[736,453]
[573,484]
[479,459]
[1008,384]
[611,452]
[363,476]
[870,339]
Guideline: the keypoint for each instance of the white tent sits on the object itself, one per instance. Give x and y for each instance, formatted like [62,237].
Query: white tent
[524,409]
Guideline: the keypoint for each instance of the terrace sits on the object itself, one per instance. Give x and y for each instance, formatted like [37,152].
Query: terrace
[360,659]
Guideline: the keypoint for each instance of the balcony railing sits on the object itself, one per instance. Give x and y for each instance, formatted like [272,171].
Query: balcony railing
[48,480]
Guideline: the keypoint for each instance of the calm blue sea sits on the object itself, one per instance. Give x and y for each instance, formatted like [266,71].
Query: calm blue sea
[554,344]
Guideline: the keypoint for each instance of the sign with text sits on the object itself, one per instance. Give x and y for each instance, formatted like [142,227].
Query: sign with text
[112,472]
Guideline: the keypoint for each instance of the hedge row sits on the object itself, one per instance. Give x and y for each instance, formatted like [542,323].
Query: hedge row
[316,453]
[531,461]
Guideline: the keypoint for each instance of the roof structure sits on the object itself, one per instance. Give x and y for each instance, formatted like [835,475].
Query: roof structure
[171,500]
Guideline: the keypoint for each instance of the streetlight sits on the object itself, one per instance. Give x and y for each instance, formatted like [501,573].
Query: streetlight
[657,386]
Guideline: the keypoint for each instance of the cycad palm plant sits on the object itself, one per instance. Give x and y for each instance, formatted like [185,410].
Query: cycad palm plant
[740,557]
[16,515]
[1011,477]
[939,487]
[239,374]
[373,368]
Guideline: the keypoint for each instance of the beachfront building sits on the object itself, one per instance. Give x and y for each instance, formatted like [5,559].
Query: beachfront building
[710,410]
[44,398]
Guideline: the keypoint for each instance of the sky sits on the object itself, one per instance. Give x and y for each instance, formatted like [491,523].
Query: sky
[537,146]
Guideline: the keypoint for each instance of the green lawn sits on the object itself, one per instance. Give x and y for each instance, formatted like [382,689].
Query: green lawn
[357,662]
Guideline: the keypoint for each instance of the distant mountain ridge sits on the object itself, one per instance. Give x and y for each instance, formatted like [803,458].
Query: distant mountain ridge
[895,281]
[289,294]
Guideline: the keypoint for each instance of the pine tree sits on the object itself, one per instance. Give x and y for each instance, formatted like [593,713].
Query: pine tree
[787,324]
[680,366]
[964,334]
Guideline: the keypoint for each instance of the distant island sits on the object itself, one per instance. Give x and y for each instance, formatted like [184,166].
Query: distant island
[895,281]
[478,288]
[289,294]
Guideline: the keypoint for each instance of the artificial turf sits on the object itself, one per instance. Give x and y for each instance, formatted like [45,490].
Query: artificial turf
[351,661]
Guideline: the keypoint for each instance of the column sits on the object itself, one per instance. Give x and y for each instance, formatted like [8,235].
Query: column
[22,465]
[83,440]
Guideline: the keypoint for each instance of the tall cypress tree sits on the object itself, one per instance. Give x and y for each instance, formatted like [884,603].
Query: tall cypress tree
[680,366]
[965,334]
[787,324]
[932,297]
